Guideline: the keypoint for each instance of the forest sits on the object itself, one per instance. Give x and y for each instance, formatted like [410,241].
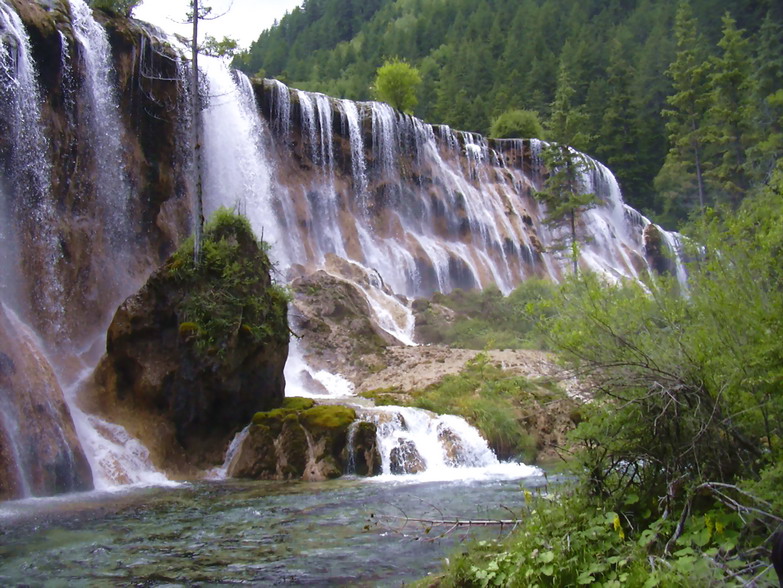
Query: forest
[681,100]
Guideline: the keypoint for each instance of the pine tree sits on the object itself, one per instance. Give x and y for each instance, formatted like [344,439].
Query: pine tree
[618,139]
[731,114]
[768,84]
[686,113]
[562,193]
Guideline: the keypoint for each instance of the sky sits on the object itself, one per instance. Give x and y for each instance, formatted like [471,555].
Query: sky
[243,20]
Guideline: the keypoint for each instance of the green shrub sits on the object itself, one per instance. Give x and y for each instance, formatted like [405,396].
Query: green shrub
[493,401]
[570,541]
[121,7]
[487,319]
[522,124]
[229,294]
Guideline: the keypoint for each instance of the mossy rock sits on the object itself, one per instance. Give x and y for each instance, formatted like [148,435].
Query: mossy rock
[298,403]
[328,417]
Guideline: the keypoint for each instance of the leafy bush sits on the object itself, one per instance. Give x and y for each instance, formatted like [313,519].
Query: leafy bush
[568,540]
[121,7]
[517,124]
[396,83]
[229,294]
[487,319]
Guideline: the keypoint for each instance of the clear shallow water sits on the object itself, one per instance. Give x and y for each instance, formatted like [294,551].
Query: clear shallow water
[257,533]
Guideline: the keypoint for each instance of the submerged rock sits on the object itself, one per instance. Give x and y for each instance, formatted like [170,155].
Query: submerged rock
[406,459]
[40,453]
[198,350]
[302,441]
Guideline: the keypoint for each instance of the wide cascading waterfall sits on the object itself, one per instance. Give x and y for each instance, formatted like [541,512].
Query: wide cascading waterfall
[436,209]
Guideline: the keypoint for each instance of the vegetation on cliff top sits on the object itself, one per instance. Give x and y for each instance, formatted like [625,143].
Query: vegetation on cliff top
[230,294]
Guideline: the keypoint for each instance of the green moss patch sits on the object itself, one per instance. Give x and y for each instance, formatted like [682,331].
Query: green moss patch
[328,417]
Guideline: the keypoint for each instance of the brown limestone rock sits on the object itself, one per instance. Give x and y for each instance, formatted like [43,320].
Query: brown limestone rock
[304,441]
[197,351]
[40,453]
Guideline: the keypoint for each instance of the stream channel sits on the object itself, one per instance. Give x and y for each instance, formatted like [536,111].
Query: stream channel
[341,532]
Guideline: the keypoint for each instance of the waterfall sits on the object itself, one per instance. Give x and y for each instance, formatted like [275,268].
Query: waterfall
[358,160]
[105,133]
[416,442]
[28,201]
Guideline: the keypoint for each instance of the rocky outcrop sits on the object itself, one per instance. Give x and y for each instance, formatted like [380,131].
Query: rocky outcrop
[333,316]
[305,441]
[39,451]
[198,350]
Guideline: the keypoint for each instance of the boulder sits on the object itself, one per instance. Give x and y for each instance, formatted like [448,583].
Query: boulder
[40,453]
[198,350]
[406,459]
[304,441]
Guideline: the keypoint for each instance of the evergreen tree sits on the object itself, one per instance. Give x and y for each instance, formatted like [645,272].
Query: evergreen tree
[618,138]
[686,113]
[768,84]
[731,114]
[563,189]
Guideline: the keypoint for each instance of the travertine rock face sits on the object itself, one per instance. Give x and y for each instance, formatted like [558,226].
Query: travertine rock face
[40,454]
[185,391]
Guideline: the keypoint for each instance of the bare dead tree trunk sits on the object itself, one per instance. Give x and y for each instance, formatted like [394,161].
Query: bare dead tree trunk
[195,100]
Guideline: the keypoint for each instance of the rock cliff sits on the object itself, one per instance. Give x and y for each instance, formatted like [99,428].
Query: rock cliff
[198,350]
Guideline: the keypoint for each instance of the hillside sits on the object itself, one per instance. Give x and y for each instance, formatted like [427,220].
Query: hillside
[480,58]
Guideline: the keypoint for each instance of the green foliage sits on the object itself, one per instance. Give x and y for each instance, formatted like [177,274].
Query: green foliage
[228,295]
[686,386]
[485,318]
[571,541]
[121,7]
[225,47]
[396,83]
[493,401]
[562,191]
[516,124]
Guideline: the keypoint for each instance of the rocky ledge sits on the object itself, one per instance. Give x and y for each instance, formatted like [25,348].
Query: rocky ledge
[198,350]
[302,440]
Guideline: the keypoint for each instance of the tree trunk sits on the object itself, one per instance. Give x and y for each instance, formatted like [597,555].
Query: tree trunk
[195,101]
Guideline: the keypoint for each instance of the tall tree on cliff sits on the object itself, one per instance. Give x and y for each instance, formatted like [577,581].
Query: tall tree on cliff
[685,113]
[563,191]
[212,47]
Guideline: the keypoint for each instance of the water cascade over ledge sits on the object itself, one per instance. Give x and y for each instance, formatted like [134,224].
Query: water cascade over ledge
[95,195]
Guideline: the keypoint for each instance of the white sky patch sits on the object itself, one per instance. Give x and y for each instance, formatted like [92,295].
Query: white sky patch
[244,20]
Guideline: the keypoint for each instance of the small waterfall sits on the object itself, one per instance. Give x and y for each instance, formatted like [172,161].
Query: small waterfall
[9,424]
[415,441]
[233,448]
[384,139]
[105,132]
[358,161]
[281,109]
[29,201]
